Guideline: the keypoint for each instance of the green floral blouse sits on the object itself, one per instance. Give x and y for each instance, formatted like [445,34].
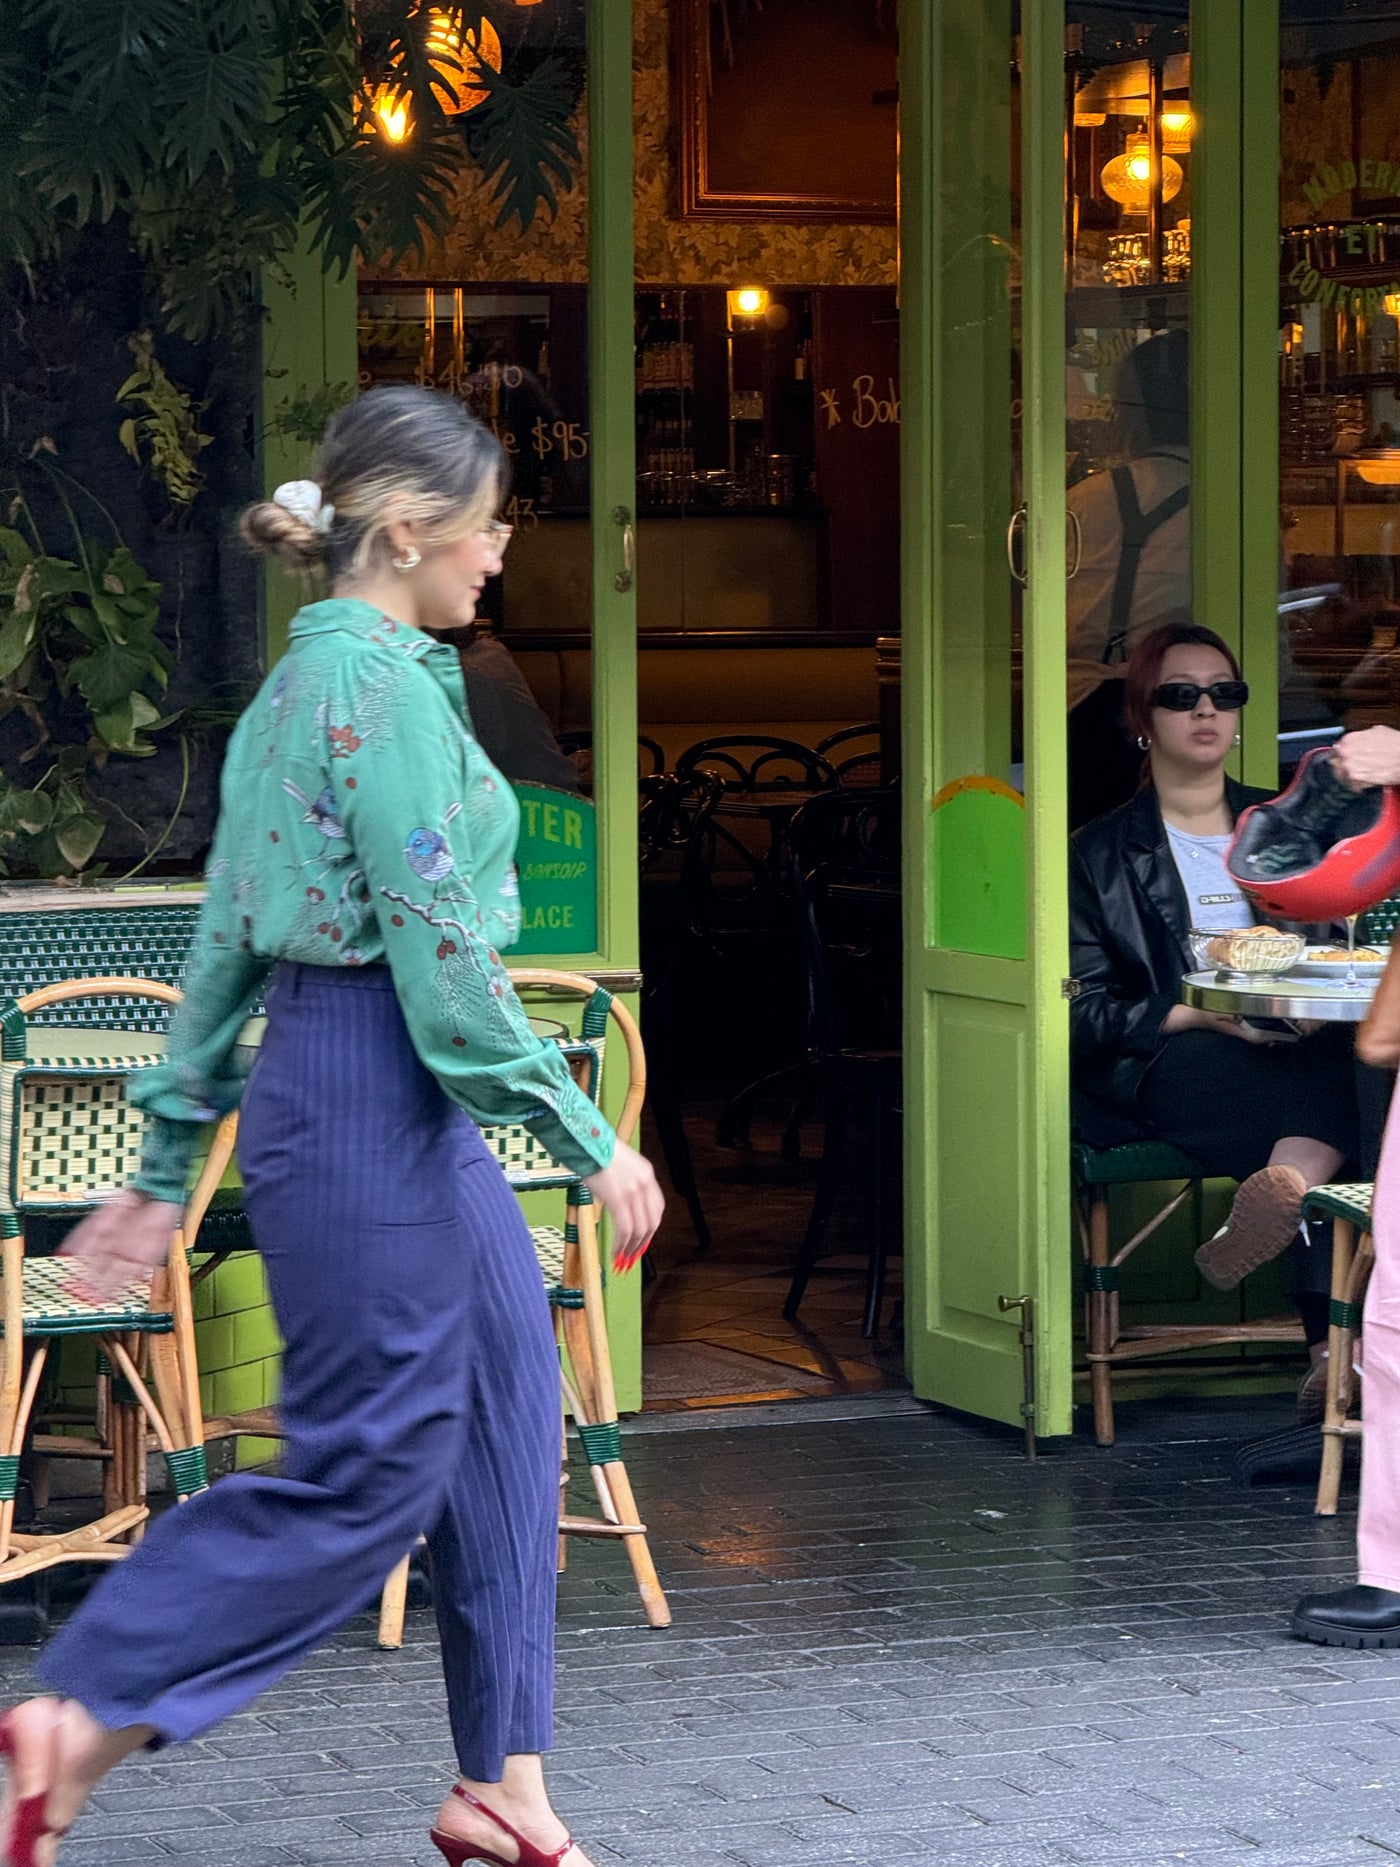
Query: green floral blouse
[362,823]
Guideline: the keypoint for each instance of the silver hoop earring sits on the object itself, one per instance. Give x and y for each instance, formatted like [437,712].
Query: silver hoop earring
[1143,742]
[410,560]
[1239,738]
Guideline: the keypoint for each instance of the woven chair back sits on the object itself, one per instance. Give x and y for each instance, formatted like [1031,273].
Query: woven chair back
[43,947]
[67,1131]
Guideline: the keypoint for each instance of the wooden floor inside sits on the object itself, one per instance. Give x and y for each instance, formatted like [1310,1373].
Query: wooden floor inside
[713,1326]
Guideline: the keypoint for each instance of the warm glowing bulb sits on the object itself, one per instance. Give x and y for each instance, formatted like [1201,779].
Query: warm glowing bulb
[1391,302]
[749,301]
[391,113]
[1140,168]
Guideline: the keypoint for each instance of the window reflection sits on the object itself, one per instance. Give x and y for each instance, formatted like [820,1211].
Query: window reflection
[1339,369]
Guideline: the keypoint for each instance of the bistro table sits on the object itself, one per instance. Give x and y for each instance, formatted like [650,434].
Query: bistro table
[1280,995]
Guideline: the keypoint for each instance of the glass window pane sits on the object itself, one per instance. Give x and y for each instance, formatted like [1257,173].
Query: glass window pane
[1128,456]
[1339,370]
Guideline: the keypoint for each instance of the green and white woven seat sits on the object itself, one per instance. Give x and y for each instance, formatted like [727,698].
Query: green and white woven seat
[57,1303]
[550,1244]
[68,1135]
[1344,1200]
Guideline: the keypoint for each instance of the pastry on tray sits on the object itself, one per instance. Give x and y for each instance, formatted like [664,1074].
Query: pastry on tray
[1254,949]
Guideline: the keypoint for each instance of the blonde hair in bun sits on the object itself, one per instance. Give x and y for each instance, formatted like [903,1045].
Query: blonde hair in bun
[271,531]
[392,453]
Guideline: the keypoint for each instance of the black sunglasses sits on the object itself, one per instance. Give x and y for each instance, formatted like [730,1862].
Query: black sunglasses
[1185,696]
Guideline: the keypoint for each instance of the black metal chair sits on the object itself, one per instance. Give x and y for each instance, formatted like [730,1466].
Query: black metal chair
[844,856]
[861,763]
[758,763]
[578,747]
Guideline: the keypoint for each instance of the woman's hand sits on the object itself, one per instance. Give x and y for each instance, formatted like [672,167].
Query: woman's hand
[627,1191]
[1192,1018]
[128,1236]
[1369,757]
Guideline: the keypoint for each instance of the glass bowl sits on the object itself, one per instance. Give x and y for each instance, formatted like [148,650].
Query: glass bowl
[1251,952]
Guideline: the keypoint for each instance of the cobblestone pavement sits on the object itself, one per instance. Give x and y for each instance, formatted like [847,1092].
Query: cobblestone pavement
[895,1642]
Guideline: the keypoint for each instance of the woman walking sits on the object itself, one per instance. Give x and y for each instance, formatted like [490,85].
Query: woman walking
[362,881]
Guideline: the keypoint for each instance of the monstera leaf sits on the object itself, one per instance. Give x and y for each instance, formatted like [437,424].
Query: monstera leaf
[523,140]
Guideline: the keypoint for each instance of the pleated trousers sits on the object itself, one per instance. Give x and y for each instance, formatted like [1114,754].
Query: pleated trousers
[1378,1526]
[420,1396]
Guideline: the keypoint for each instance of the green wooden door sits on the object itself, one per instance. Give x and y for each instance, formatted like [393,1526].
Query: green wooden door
[982,301]
[1026,293]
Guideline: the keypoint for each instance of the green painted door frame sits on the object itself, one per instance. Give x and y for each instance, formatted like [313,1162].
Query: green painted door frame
[988,1213]
[310,340]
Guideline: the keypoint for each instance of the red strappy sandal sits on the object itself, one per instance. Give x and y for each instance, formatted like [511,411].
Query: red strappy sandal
[28,1827]
[456,1851]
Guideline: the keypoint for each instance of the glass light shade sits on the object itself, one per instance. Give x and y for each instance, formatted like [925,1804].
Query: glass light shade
[1381,468]
[1177,125]
[469,48]
[748,301]
[1391,304]
[1127,179]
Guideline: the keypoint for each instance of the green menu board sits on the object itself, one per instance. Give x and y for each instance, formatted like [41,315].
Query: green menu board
[557,857]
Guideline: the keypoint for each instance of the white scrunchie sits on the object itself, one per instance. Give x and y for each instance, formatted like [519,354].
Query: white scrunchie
[302,498]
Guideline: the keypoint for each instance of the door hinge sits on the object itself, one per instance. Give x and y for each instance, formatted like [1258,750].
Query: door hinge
[1070,988]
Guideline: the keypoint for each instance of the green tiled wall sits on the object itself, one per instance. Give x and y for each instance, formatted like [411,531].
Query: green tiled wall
[238,1346]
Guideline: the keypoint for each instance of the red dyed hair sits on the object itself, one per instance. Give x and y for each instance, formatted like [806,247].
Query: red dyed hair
[1143,674]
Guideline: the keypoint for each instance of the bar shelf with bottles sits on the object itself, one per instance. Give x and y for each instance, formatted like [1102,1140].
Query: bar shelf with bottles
[724,402]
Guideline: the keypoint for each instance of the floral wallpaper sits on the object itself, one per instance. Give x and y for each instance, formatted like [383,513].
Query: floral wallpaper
[670,251]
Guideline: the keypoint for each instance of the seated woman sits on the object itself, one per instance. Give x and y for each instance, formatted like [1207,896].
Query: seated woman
[1275,1113]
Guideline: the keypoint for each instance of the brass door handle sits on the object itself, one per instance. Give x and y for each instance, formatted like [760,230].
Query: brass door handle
[1017,523]
[1078,558]
[626,577]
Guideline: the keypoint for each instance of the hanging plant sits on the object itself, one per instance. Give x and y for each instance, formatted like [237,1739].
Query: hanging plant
[523,139]
[164,433]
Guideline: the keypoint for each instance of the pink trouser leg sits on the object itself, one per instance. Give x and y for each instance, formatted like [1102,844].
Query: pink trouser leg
[1378,1531]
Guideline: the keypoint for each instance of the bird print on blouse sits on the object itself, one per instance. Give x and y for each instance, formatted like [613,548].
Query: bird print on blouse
[362,824]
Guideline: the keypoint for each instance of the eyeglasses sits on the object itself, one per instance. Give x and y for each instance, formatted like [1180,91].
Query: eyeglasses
[499,533]
[1185,696]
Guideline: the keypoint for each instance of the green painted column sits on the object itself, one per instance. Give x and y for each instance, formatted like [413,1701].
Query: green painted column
[613,492]
[1047,796]
[1234,350]
[309,344]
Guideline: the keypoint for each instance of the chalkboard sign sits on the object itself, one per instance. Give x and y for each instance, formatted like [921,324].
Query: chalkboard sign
[557,859]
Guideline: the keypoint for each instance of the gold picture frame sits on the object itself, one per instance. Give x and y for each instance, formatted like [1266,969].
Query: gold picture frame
[788,111]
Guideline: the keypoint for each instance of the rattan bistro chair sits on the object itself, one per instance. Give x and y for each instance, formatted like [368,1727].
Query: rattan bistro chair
[573,1274]
[1110,1344]
[68,1136]
[1353,1257]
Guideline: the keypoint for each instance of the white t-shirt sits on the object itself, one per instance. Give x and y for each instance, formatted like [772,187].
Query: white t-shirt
[1215,902]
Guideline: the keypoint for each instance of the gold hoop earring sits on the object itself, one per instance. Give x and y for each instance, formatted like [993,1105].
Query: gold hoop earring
[410,560]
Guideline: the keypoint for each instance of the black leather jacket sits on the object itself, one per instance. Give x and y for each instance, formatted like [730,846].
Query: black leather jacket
[1128,925]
